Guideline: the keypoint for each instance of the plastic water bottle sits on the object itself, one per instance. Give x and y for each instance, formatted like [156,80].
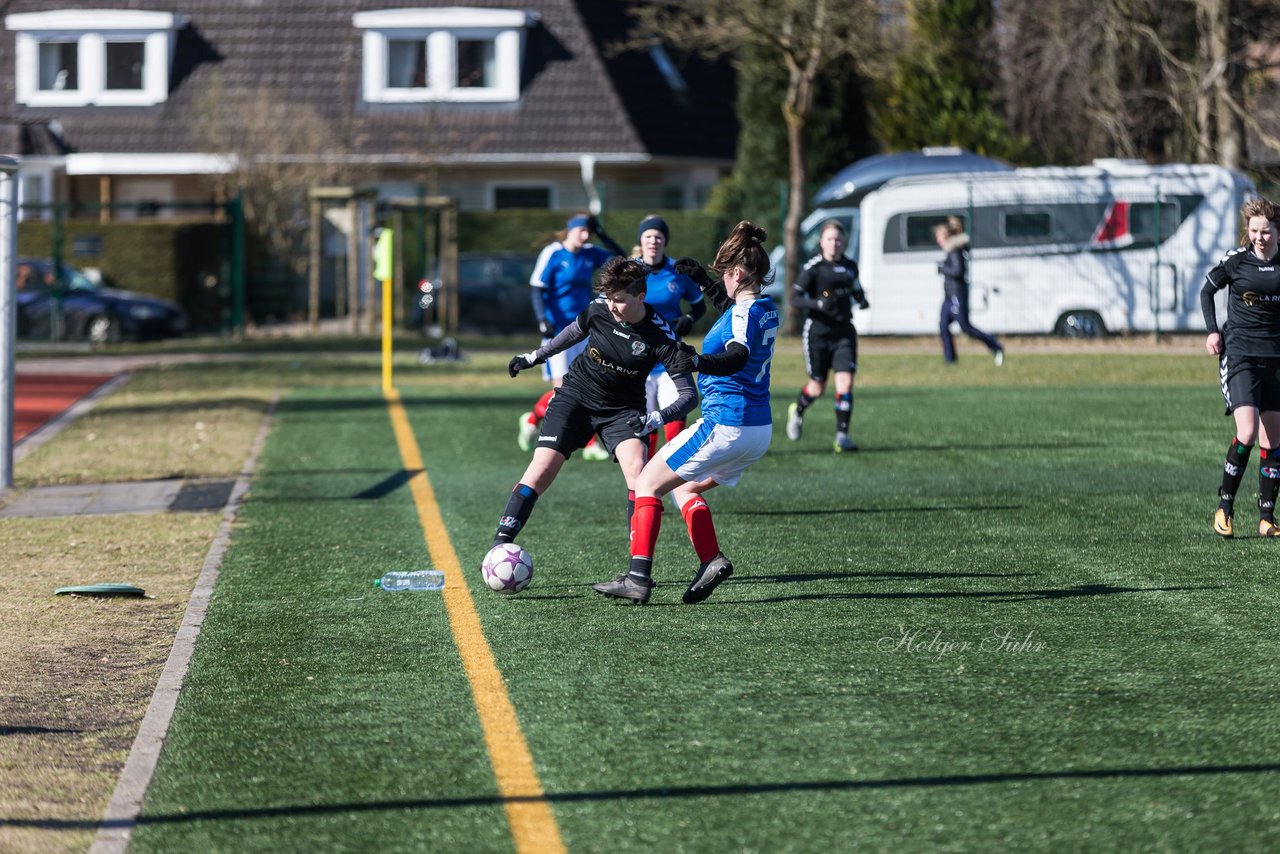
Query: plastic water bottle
[420,579]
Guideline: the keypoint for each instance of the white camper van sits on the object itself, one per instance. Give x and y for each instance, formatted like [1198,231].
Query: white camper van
[1115,246]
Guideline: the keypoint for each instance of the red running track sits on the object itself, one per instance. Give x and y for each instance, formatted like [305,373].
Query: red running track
[39,398]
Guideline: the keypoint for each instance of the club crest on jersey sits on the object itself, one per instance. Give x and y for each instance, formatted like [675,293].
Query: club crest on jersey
[637,347]
[1252,298]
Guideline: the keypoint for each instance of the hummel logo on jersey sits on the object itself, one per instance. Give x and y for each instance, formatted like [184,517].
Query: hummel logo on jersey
[620,334]
[1270,269]
[548,439]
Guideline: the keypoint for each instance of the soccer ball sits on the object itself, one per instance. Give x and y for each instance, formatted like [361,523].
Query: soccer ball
[507,568]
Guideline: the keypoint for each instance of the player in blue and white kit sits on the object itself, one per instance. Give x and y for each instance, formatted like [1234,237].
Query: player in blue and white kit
[561,289]
[667,291]
[734,430]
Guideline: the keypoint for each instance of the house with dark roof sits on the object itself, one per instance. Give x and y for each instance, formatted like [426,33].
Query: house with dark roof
[498,103]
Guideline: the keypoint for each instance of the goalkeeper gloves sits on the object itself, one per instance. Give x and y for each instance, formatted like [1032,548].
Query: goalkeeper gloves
[643,425]
[521,363]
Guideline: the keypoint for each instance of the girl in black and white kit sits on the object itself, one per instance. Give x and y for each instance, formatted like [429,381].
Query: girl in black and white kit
[1248,354]
[827,289]
[603,390]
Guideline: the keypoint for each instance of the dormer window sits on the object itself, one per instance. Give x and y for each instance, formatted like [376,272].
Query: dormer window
[448,54]
[99,57]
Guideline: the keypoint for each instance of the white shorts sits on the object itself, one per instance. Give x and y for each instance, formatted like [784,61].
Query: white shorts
[714,451]
[558,365]
[659,391]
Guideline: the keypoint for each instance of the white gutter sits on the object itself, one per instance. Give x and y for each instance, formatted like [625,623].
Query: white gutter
[149,164]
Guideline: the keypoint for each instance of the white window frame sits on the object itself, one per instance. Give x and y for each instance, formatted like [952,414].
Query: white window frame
[91,30]
[42,178]
[441,29]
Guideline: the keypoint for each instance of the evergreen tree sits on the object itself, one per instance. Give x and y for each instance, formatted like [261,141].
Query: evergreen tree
[940,89]
[839,133]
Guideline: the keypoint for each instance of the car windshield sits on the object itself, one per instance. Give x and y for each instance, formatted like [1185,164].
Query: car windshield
[77,281]
[38,275]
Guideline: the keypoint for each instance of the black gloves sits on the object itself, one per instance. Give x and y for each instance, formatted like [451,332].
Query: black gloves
[710,288]
[682,326]
[593,224]
[690,267]
[643,425]
[520,363]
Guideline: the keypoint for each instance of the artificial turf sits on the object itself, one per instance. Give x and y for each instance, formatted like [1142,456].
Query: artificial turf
[1004,622]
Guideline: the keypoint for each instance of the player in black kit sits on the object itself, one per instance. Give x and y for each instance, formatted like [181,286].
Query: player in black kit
[1249,360]
[603,390]
[828,288]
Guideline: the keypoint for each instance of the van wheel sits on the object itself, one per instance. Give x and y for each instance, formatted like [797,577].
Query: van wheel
[1080,324]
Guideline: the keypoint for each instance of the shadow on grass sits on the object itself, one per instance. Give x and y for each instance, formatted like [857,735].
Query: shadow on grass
[824,450]
[840,511]
[987,446]
[303,406]
[995,596]
[656,793]
[878,575]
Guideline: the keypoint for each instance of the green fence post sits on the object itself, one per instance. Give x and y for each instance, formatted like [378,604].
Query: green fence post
[1155,280]
[59,282]
[236,207]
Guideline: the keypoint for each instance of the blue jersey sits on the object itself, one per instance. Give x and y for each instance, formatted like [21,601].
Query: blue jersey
[741,400]
[665,290]
[566,282]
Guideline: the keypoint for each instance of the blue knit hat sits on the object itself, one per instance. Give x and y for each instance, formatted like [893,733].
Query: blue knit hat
[655,222]
[580,221]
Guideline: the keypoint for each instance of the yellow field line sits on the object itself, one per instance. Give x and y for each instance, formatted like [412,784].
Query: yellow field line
[533,826]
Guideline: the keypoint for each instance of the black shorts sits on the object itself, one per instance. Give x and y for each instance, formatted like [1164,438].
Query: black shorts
[1250,381]
[829,350]
[570,423]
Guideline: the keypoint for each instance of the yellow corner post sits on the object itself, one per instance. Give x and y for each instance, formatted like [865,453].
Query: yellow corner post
[382,271]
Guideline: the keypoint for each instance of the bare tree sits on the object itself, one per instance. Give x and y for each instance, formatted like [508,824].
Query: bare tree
[805,36]
[1162,79]
[278,149]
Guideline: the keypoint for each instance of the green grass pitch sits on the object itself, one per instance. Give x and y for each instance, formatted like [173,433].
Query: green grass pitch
[1005,622]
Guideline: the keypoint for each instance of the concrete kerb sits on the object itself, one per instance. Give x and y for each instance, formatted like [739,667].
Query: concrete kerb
[122,812]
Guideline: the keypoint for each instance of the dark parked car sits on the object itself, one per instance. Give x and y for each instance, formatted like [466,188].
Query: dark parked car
[87,310]
[494,293]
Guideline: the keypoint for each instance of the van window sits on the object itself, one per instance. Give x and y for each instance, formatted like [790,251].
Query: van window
[1027,226]
[920,229]
[1142,220]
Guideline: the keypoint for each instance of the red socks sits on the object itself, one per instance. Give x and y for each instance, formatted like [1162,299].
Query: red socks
[702,533]
[540,408]
[645,524]
[647,521]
